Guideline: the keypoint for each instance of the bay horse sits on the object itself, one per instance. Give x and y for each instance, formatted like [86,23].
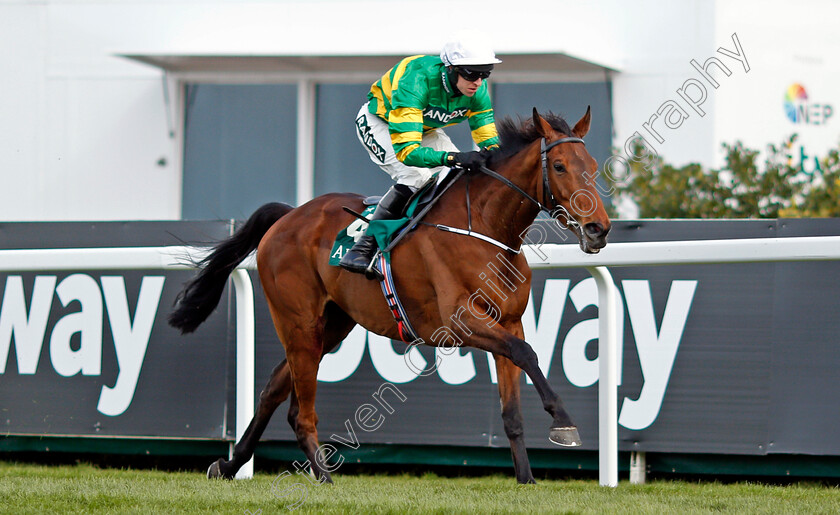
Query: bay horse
[542,164]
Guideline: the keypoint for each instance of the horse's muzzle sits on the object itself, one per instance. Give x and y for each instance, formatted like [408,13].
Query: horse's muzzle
[594,237]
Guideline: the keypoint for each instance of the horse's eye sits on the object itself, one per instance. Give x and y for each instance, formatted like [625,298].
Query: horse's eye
[559,168]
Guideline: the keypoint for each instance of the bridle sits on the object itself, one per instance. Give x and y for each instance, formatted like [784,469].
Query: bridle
[548,196]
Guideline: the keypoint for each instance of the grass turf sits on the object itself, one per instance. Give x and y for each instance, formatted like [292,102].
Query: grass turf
[83,488]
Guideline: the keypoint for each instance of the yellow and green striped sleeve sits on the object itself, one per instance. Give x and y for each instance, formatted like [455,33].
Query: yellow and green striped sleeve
[482,123]
[406,127]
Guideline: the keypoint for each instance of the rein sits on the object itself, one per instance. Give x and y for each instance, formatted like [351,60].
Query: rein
[547,194]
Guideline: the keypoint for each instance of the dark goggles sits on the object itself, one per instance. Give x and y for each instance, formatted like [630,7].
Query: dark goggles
[473,73]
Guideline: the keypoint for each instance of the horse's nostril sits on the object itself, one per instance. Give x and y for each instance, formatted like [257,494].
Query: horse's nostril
[594,230]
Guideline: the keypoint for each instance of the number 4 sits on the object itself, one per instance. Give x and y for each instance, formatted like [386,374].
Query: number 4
[357,229]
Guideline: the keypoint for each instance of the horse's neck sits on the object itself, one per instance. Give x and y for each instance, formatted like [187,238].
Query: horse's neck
[498,210]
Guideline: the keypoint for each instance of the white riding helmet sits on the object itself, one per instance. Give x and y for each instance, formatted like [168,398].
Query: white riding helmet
[468,48]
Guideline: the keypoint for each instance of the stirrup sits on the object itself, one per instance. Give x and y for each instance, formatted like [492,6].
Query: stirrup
[371,272]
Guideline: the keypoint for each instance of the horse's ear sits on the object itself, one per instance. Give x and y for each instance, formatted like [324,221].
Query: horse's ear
[541,125]
[582,126]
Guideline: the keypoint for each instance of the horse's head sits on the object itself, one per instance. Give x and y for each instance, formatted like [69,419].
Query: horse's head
[568,183]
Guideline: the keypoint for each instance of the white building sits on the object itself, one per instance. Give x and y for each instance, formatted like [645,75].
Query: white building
[129,110]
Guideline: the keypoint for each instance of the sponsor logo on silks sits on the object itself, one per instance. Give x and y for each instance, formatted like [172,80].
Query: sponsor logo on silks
[438,114]
[368,139]
[445,82]
[799,109]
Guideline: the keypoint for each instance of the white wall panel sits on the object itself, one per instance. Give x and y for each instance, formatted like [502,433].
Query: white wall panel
[82,130]
[22,58]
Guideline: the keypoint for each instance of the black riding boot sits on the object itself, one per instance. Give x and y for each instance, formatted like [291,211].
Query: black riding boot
[358,259]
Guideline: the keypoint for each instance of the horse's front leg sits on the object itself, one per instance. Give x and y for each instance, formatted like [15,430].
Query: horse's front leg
[509,375]
[492,337]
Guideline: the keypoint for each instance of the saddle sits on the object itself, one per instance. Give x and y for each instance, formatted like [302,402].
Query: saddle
[388,233]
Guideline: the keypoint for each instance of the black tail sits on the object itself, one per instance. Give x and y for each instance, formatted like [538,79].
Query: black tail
[201,294]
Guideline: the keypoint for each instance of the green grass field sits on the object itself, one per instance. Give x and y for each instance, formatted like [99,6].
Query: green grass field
[40,489]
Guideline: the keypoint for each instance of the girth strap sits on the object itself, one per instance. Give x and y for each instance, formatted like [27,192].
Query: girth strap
[406,331]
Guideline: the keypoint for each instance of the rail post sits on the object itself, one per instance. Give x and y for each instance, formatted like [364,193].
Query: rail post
[607,376]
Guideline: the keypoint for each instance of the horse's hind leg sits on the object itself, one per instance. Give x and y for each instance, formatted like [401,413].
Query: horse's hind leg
[303,352]
[301,344]
[509,375]
[275,392]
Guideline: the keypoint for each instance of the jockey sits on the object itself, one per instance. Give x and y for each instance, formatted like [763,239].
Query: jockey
[401,125]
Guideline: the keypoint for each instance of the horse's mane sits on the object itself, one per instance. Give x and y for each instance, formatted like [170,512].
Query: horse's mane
[516,134]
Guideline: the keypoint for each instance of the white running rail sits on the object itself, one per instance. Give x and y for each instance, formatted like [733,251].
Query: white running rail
[161,258]
[823,248]
[760,250]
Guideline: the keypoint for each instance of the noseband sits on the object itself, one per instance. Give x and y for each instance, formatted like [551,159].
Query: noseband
[548,196]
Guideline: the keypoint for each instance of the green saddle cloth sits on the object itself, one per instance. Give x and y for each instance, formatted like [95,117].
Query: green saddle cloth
[383,230]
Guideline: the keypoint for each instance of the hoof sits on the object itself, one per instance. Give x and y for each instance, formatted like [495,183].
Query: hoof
[215,470]
[565,436]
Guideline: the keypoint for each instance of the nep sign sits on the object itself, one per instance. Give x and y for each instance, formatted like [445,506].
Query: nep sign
[799,109]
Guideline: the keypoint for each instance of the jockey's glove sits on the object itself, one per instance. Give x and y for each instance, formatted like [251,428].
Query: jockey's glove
[471,161]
